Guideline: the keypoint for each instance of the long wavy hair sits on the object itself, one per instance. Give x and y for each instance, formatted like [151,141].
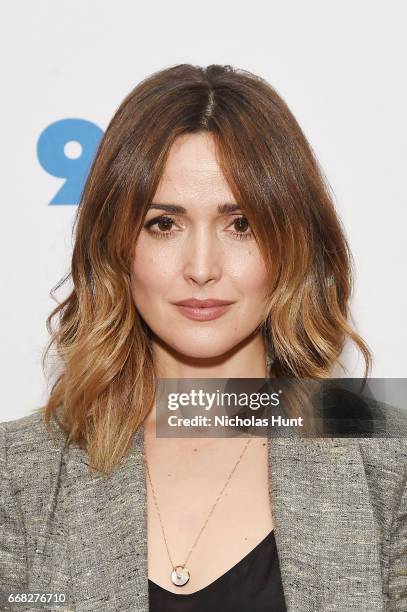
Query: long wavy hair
[104,377]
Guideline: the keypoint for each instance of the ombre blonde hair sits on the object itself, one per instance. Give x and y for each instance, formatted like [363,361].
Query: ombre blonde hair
[105,376]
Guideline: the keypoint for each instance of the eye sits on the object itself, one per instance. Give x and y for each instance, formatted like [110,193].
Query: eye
[242,225]
[164,225]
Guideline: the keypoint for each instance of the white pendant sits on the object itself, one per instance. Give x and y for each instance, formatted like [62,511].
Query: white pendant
[179,575]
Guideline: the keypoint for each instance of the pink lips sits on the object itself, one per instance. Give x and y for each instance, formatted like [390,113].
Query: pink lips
[203,310]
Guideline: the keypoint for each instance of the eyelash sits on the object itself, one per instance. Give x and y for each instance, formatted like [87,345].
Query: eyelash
[168,234]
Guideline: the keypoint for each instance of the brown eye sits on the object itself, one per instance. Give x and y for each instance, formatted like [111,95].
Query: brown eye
[160,227]
[242,229]
[164,224]
[241,224]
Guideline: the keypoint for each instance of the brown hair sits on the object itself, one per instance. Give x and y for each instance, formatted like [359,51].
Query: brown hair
[106,384]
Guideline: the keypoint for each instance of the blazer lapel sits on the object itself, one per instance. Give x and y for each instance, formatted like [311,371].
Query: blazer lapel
[324,525]
[324,528]
[107,525]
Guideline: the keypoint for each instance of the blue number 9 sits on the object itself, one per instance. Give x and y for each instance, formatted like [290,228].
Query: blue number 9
[52,155]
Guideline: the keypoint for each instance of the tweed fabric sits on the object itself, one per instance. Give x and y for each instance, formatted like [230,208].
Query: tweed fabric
[339,507]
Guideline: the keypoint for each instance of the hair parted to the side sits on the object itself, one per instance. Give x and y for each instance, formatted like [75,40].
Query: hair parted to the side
[105,385]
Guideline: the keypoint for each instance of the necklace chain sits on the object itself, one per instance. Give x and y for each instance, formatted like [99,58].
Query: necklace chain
[210,512]
[183,577]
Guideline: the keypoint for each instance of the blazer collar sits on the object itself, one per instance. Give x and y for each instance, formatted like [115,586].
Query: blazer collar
[324,528]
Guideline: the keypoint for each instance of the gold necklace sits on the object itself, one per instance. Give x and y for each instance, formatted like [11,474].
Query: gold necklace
[180,574]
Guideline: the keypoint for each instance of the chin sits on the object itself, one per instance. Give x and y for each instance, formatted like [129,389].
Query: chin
[202,349]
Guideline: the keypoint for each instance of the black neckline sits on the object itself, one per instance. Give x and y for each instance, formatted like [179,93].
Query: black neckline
[269,536]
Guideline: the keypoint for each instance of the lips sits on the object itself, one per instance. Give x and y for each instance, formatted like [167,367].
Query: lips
[203,310]
[196,303]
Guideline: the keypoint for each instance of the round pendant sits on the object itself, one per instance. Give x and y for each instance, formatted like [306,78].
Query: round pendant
[179,575]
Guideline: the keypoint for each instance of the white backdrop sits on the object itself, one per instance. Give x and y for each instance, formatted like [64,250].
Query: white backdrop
[340,66]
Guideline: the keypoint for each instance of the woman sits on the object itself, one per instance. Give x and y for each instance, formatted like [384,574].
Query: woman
[203,188]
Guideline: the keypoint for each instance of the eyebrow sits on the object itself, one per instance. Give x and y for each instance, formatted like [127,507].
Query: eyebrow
[174,208]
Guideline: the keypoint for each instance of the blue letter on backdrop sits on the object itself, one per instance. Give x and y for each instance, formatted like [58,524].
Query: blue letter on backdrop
[52,157]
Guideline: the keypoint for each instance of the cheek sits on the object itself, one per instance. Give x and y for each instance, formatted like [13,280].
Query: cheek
[250,275]
[152,274]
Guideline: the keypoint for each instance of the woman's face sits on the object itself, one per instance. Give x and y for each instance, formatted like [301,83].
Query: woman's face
[197,251]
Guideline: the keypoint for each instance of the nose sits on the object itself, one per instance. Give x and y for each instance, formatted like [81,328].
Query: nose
[202,258]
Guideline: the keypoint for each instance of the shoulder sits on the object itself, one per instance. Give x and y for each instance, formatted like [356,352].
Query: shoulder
[385,466]
[384,453]
[384,460]
[28,448]
[29,433]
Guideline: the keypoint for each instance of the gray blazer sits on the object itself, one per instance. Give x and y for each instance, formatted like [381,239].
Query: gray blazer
[339,507]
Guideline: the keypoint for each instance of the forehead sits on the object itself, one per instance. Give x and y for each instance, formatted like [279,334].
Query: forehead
[192,173]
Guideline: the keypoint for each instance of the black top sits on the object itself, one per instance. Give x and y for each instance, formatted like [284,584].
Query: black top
[252,585]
